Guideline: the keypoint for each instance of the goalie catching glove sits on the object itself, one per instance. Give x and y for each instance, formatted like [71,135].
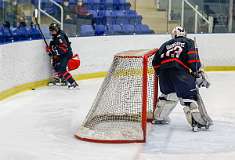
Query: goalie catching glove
[201,80]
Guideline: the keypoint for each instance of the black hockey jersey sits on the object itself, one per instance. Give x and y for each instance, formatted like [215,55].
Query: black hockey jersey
[179,53]
[61,45]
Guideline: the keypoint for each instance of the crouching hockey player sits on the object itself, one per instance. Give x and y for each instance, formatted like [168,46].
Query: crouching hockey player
[61,52]
[177,66]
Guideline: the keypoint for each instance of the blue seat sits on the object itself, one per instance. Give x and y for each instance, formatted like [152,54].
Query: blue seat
[128,29]
[114,29]
[143,29]
[120,17]
[133,17]
[92,4]
[87,30]
[100,30]
[109,5]
[109,18]
[122,20]
[122,5]
[72,2]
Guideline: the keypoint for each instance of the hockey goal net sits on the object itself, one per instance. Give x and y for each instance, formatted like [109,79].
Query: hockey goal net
[125,101]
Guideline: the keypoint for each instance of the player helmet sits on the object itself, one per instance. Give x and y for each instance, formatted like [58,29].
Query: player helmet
[54,27]
[178,32]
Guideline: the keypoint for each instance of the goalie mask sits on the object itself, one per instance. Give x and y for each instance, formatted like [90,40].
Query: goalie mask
[178,32]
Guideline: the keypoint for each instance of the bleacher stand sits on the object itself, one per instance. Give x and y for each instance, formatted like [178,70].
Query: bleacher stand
[93,17]
[116,16]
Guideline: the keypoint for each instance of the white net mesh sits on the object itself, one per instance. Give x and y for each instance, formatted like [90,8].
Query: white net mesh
[118,114]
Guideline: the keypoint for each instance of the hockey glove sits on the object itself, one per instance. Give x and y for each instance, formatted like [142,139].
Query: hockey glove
[201,80]
[50,51]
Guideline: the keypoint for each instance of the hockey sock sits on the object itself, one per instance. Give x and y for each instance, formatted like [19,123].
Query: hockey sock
[68,77]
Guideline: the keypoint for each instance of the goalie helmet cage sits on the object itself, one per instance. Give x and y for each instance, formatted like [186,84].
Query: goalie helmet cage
[125,101]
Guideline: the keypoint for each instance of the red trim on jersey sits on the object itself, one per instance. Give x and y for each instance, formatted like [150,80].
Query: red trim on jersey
[193,61]
[174,59]
[156,67]
[171,60]
[192,52]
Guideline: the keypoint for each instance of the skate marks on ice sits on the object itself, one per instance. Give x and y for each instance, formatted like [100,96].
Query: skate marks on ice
[177,138]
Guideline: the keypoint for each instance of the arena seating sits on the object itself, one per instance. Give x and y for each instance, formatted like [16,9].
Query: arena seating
[110,17]
[19,34]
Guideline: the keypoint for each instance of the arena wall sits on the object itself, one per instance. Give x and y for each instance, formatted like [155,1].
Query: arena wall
[25,65]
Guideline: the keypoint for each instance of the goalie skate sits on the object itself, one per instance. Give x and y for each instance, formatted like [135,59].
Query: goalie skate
[196,127]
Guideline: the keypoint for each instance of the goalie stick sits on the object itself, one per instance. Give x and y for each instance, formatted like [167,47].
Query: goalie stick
[201,106]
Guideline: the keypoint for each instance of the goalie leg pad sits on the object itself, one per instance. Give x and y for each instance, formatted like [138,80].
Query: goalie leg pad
[203,111]
[165,105]
[193,115]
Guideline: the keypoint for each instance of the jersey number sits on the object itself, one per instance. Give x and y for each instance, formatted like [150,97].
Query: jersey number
[173,52]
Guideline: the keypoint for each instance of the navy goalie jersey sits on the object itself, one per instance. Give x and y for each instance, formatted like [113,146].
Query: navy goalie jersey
[180,53]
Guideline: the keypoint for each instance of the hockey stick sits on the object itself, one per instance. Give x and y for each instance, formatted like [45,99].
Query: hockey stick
[201,106]
[35,15]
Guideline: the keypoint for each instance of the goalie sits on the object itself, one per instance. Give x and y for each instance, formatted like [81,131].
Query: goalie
[177,64]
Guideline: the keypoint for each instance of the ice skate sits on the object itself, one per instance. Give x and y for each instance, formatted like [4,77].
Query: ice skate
[199,127]
[53,81]
[57,82]
[73,85]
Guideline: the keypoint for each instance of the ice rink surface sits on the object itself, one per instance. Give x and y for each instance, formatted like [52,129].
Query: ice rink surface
[40,125]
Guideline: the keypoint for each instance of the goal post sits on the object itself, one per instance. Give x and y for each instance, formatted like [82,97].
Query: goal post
[124,102]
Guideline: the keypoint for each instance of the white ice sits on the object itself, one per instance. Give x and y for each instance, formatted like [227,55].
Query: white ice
[40,125]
